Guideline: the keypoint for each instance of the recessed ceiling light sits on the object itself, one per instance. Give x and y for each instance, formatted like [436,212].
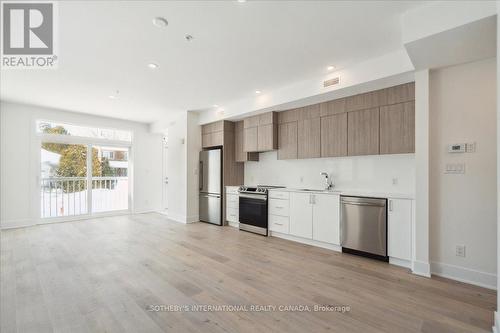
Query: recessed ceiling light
[152,65]
[242,1]
[330,68]
[112,96]
[258,92]
[189,37]
[215,105]
[160,22]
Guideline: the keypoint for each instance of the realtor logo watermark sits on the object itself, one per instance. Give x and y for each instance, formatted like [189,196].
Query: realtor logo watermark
[28,35]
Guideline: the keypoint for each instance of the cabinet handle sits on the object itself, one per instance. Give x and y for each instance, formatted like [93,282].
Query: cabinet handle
[390,205]
[278,223]
[279,207]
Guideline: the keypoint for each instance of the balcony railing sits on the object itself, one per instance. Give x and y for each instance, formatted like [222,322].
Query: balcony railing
[67,196]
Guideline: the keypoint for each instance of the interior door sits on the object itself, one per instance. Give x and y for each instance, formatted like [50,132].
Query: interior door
[165,175]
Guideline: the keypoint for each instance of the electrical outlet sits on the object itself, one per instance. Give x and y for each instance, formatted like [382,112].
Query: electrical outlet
[301,179]
[460,251]
[395,181]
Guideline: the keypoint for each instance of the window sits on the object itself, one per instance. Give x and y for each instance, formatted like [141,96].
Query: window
[49,127]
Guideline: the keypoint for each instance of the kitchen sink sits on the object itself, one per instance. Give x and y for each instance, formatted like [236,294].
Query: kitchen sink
[313,190]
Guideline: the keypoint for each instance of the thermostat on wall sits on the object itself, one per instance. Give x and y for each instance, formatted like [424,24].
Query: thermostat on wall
[456,148]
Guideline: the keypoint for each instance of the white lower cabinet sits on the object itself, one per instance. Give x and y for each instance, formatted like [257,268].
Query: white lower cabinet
[301,215]
[399,216]
[232,207]
[279,224]
[326,219]
[315,216]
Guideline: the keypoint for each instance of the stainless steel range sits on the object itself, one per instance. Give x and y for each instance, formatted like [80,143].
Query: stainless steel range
[253,208]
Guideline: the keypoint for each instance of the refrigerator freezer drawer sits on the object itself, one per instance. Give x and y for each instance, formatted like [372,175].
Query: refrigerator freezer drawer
[210,208]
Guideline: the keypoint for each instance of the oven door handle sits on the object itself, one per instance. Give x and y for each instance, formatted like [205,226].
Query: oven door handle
[254,196]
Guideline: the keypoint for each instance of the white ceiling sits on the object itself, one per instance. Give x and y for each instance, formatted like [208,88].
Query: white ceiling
[237,48]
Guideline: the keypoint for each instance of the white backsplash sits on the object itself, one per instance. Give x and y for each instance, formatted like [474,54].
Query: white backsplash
[381,173]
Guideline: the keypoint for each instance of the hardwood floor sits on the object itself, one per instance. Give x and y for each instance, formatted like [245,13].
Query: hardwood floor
[103,275]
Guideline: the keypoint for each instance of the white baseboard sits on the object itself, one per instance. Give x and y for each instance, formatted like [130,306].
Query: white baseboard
[233,224]
[496,328]
[177,218]
[328,246]
[400,262]
[192,219]
[421,268]
[462,274]
[146,211]
[20,223]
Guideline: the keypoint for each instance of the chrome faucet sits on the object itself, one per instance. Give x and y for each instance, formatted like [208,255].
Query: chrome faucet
[328,181]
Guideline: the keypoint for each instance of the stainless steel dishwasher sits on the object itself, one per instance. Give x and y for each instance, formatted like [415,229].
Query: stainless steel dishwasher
[364,226]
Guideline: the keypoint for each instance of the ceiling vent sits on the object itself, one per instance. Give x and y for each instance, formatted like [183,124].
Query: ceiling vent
[331,82]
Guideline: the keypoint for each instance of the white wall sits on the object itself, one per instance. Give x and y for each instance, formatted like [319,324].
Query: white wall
[18,148]
[463,207]
[193,148]
[370,173]
[184,145]
[176,169]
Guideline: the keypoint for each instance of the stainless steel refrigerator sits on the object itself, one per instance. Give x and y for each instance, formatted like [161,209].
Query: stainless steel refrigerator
[211,186]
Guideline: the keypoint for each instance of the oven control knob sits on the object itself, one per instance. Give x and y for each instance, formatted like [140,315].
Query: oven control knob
[242,188]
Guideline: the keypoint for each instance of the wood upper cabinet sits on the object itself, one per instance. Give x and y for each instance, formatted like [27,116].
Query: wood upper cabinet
[367,100]
[397,128]
[332,107]
[260,133]
[400,94]
[309,138]
[334,135]
[287,141]
[363,132]
[212,135]
[250,143]
[267,137]
[240,154]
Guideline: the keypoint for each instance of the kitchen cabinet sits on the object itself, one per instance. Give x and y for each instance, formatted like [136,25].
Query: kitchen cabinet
[363,132]
[240,154]
[334,135]
[399,216]
[326,218]
[309,137]
[315,216]
[267,137]
[287,141]
[232,204]
[301,214]
[279,211]
[332,107]
[401,93]
[367,100]
[250,143]
[212,135]
[260,133]
[397,128]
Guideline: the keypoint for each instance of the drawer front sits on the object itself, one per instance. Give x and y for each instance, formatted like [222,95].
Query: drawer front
[278,224]
[232,214]
[279,195]
[232,200]
[279,207]
[232,190]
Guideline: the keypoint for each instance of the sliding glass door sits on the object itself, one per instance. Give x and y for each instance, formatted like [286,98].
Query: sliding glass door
[109,179]
[63,179]
[67,171]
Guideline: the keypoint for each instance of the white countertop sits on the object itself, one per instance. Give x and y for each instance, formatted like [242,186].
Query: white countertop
[341,191]
[359,193]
